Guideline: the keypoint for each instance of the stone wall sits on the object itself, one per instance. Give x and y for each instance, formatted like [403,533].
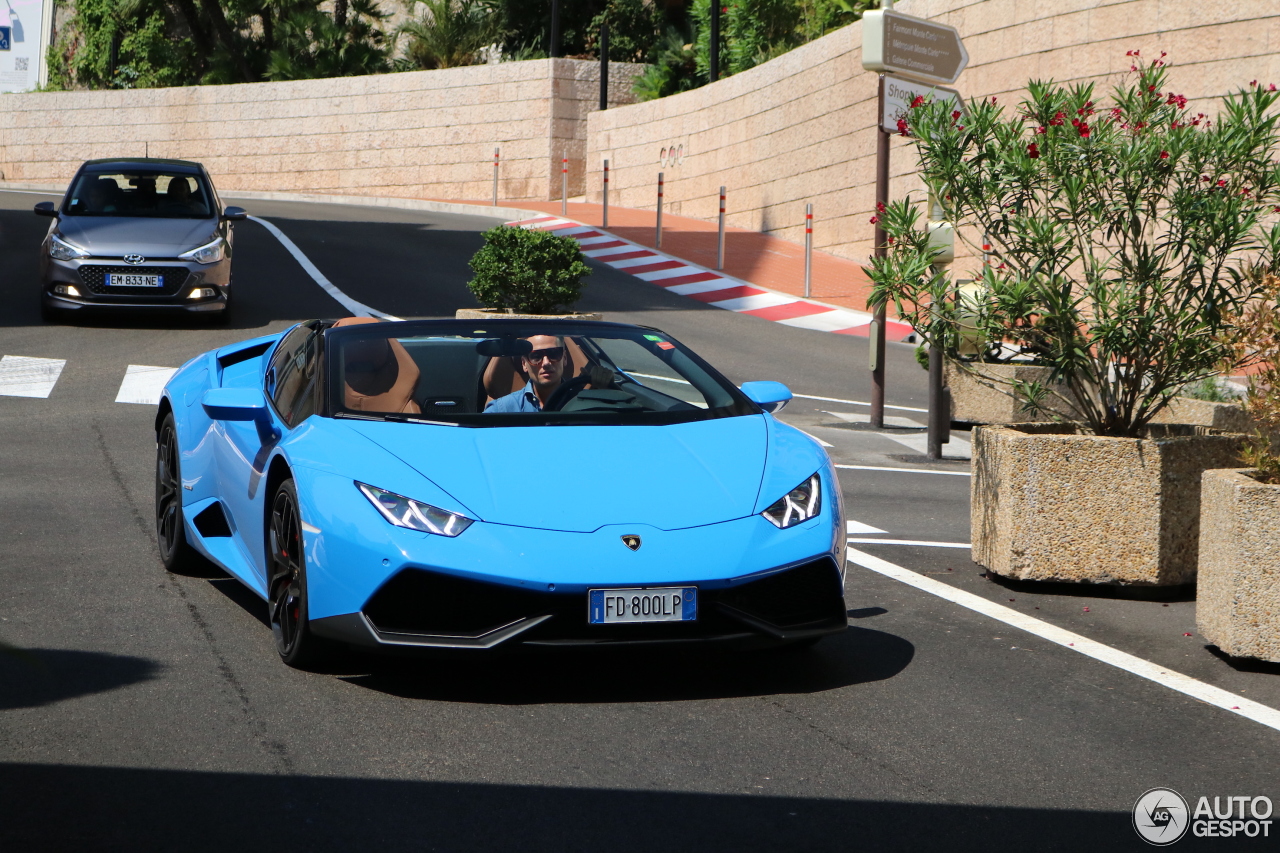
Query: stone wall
[420,134]
[801,128]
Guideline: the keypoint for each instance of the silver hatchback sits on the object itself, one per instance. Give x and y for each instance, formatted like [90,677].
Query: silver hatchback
[138,234]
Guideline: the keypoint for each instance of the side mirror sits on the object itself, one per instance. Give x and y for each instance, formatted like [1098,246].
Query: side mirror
[46,208]
[240,404]
[234,214]
[770,396]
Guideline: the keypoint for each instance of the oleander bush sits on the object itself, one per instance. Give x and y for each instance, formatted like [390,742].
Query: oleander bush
[527,271]
[1130,236]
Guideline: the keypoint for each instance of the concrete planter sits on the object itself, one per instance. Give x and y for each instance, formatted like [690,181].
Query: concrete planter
[1230,417]
[1238,590]
[504,314]
[1052,504]
[982,393]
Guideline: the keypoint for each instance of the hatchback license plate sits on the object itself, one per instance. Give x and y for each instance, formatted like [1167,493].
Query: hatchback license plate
[116,279]
[663,604]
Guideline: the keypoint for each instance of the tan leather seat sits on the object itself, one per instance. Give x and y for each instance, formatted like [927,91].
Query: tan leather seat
[380,374]
[503,375]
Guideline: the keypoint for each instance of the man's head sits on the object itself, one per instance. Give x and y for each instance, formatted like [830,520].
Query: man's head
[178,190]
[546,364]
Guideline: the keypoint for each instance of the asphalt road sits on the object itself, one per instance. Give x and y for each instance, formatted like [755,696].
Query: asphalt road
[149,710]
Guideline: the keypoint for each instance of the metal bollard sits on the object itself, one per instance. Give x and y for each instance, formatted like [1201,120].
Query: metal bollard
[564,184]
[720,239]
[605,208]
[495,177]
[808,249]
[658,239]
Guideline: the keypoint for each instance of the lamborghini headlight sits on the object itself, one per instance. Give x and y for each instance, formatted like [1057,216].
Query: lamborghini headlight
[209,253]
[415,515]
[61,250]
[798,505]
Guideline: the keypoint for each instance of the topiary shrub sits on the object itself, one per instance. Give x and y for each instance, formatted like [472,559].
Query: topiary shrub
[527,271]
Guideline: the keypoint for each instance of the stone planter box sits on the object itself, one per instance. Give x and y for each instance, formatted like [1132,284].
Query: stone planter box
[1052,504]
[982,394]
[1238,590]
[503,314]
[1230,417]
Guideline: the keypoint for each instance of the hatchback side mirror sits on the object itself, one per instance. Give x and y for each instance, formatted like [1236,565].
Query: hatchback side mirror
[770,396]
[46,208]
[234,214]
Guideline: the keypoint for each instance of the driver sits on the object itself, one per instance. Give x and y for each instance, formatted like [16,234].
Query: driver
[545,366]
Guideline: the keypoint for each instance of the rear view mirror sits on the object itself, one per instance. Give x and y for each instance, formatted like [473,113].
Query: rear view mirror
[46,208]
[770,396]
[511,347]
[234,214]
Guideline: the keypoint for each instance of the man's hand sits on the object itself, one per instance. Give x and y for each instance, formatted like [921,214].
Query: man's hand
[597,376]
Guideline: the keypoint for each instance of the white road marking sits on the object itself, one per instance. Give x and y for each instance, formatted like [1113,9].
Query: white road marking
[828,321]
[25,376]
[905,470]
[956,448]
[864,541]
[701,286]
[858,403]
[143,383]
[855,527]
[359,309]
[814,437]
[1184,684]
[754,302]
[891,420]
[659,275]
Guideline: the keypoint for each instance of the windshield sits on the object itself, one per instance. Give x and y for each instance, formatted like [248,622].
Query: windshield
[518,374]
[139,192]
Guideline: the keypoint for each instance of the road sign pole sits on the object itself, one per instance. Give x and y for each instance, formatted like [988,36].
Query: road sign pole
[604,65]
[881,250]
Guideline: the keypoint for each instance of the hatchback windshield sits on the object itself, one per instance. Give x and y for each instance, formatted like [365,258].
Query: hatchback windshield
[515,375]
[140,192]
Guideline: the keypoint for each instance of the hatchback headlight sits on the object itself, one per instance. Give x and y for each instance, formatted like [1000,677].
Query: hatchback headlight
[798,505]
[209,253]
[61,250]
[415,515]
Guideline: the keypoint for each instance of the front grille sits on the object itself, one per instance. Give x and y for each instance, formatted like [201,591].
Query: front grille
[420,602]
[95,278]
[800,596]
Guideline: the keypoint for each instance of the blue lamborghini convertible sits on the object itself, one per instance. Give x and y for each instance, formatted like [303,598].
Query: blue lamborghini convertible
[493,484]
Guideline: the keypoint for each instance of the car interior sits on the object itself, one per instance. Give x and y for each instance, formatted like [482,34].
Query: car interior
[139,194]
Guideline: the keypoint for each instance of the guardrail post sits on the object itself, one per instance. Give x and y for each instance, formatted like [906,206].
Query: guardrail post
[720,238]
[658,238]
[808,248]
[495,177]
[564,184]
[605,208]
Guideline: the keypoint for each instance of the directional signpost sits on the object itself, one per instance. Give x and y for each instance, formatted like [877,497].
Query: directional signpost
[6,34]
[914,57]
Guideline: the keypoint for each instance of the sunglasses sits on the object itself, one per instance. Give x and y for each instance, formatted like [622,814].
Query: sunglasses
[553,353]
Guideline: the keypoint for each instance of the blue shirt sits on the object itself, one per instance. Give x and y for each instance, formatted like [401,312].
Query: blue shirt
[523,400]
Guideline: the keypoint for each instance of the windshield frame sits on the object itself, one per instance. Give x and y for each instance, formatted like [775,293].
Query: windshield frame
[334,394]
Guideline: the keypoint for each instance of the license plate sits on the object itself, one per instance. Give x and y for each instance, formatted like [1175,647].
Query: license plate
[663,604]
[116,279]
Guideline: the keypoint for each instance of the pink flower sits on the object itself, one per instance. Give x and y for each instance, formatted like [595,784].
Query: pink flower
[917,101]
[880,207]
[1186,633]
[1222,182]
[875,219]
[1086,610]
[902,127]
[1057,119]
[993,99]
[1084,130]
[1134,53]
[1253,82]
[955,115]
[1032,151]
[1042,130]
[1164,155]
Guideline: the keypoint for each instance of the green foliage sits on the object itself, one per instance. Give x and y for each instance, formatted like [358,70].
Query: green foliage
[450,34]
[634,31]
[527,271]
[1125,235]
[1210,390]
[674,69]
[309,43]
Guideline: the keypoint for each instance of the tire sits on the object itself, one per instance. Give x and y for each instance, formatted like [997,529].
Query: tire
[171,534]
[287,584]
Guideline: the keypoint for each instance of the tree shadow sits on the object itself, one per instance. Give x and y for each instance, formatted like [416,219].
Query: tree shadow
[857,656]
[31,678]
[58,807]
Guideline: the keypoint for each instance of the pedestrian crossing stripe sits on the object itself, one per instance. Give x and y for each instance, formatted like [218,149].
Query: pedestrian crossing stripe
[144,384]
[28,376]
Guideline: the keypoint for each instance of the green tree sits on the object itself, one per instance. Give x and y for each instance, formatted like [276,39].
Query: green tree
[450,33]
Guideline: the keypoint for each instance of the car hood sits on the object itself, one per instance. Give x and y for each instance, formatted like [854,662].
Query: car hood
[580,478]
[122,235]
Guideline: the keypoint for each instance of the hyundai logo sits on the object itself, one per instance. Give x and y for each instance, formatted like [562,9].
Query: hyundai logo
[134,259]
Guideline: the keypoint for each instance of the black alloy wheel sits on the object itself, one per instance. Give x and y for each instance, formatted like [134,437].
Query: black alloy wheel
[287,585]
[171,534]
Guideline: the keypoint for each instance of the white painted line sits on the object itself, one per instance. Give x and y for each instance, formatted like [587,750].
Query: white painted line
[891,420]
[754,302]
[659,275]
[634,262]
[603,254]
[25,376]
[359,309]
[814,437]
[864,541]
[603,238]
[853,528]
[1184,684]
[858,403]
[701,286]
[905,470]
[828,321]
[142,384]
[956,448]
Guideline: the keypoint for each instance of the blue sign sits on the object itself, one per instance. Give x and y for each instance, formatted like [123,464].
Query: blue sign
[5,40]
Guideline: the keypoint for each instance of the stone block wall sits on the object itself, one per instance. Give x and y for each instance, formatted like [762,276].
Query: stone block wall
[420,134]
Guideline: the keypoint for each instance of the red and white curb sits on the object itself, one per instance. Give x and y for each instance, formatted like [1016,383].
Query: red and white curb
[713,288]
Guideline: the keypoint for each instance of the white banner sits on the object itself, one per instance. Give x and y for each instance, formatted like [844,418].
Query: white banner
[27,24]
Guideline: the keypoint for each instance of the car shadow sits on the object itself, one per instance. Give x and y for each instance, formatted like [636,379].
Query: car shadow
[856,656]
[32,678]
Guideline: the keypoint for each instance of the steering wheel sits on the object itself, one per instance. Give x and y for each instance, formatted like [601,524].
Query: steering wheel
[566,392]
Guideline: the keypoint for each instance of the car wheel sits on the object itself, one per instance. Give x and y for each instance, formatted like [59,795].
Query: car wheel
[171,534]
[287,585]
